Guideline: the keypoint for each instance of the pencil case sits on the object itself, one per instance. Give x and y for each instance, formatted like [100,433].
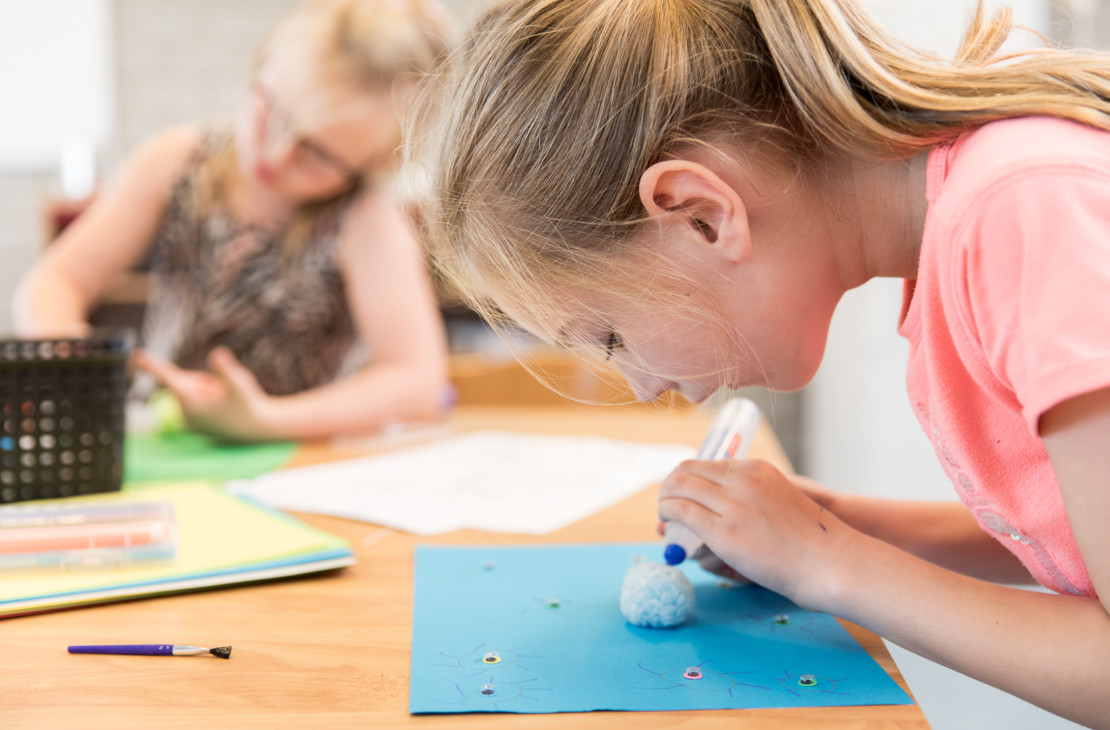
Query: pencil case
[79,537]
[62,415]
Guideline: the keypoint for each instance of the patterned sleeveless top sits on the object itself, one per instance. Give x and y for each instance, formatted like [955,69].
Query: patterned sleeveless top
[217,281]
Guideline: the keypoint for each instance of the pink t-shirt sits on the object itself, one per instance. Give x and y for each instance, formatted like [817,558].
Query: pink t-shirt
[1010,316]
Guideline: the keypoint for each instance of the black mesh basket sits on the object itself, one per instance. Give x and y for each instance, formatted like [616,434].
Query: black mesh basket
[62,411]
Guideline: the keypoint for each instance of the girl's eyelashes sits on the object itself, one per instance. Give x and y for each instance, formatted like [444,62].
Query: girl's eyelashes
[613,344]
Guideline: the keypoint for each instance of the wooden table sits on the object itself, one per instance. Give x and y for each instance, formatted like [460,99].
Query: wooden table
[332,651]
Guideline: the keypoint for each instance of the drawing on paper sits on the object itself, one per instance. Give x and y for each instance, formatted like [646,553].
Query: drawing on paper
[539,629]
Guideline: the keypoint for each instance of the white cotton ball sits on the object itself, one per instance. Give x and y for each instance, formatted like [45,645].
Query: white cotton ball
[657,596]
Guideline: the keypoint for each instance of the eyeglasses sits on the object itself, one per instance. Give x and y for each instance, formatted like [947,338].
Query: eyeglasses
[308,154]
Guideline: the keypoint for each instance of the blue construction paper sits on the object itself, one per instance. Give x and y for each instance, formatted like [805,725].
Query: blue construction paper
[551,614]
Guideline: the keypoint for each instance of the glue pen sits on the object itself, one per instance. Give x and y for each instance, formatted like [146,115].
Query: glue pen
[729,437]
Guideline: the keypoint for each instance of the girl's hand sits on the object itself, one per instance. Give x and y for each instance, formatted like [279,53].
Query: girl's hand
[226,401]
[760,524]
[708,560]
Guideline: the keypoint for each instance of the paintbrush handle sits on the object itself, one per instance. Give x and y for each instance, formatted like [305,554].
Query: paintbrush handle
[143,649]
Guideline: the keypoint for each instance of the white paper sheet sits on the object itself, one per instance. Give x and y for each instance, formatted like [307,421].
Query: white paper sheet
[499,482]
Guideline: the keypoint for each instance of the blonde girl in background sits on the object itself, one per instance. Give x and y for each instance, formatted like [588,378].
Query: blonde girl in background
[687,188]
[289,299]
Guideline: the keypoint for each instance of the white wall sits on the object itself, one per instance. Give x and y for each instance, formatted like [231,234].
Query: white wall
[56,76]
[937,25]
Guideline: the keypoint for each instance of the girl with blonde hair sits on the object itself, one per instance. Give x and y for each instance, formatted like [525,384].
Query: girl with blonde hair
[686,188]
[279,260]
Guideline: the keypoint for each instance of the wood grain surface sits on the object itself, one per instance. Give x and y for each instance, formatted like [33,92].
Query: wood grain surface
[332,650]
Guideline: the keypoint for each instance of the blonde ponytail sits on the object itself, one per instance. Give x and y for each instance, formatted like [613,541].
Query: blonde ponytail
[861,91]
[525,153]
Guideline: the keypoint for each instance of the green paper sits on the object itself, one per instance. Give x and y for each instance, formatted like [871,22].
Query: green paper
[185,455]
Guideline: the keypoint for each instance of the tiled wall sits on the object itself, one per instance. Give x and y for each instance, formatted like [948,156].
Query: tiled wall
[182,60]
[177,60]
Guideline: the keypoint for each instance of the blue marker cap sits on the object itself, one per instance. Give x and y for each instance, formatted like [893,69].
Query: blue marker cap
[674,554]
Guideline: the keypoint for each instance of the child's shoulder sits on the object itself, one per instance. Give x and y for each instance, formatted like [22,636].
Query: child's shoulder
[1005,165]
[160,157]
[1026,146]
[171,144]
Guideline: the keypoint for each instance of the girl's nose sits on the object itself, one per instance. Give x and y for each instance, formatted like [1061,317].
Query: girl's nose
[644,386]
[278,152]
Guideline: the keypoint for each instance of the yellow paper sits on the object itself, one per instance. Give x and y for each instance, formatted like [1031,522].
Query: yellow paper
[221,539]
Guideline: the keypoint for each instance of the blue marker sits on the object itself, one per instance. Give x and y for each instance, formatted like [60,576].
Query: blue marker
[729,437]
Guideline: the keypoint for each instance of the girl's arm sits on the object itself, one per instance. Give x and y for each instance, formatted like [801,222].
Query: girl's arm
[56,295]
[398,320]
[942,532]
[1052,650]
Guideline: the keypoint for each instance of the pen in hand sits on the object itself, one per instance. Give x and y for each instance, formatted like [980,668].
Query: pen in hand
[729,437]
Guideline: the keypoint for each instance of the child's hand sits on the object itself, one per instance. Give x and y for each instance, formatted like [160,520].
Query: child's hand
[759,524]
[711,562]
[226,401]
[708,560]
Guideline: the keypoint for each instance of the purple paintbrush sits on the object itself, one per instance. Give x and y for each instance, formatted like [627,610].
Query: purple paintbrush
[223,652]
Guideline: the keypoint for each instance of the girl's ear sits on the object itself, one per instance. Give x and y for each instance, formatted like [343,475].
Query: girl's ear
[709,206]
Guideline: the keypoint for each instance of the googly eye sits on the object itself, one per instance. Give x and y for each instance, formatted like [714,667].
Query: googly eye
[692,673]
[491,657]
[488,689]
[807,680]
[782,619]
